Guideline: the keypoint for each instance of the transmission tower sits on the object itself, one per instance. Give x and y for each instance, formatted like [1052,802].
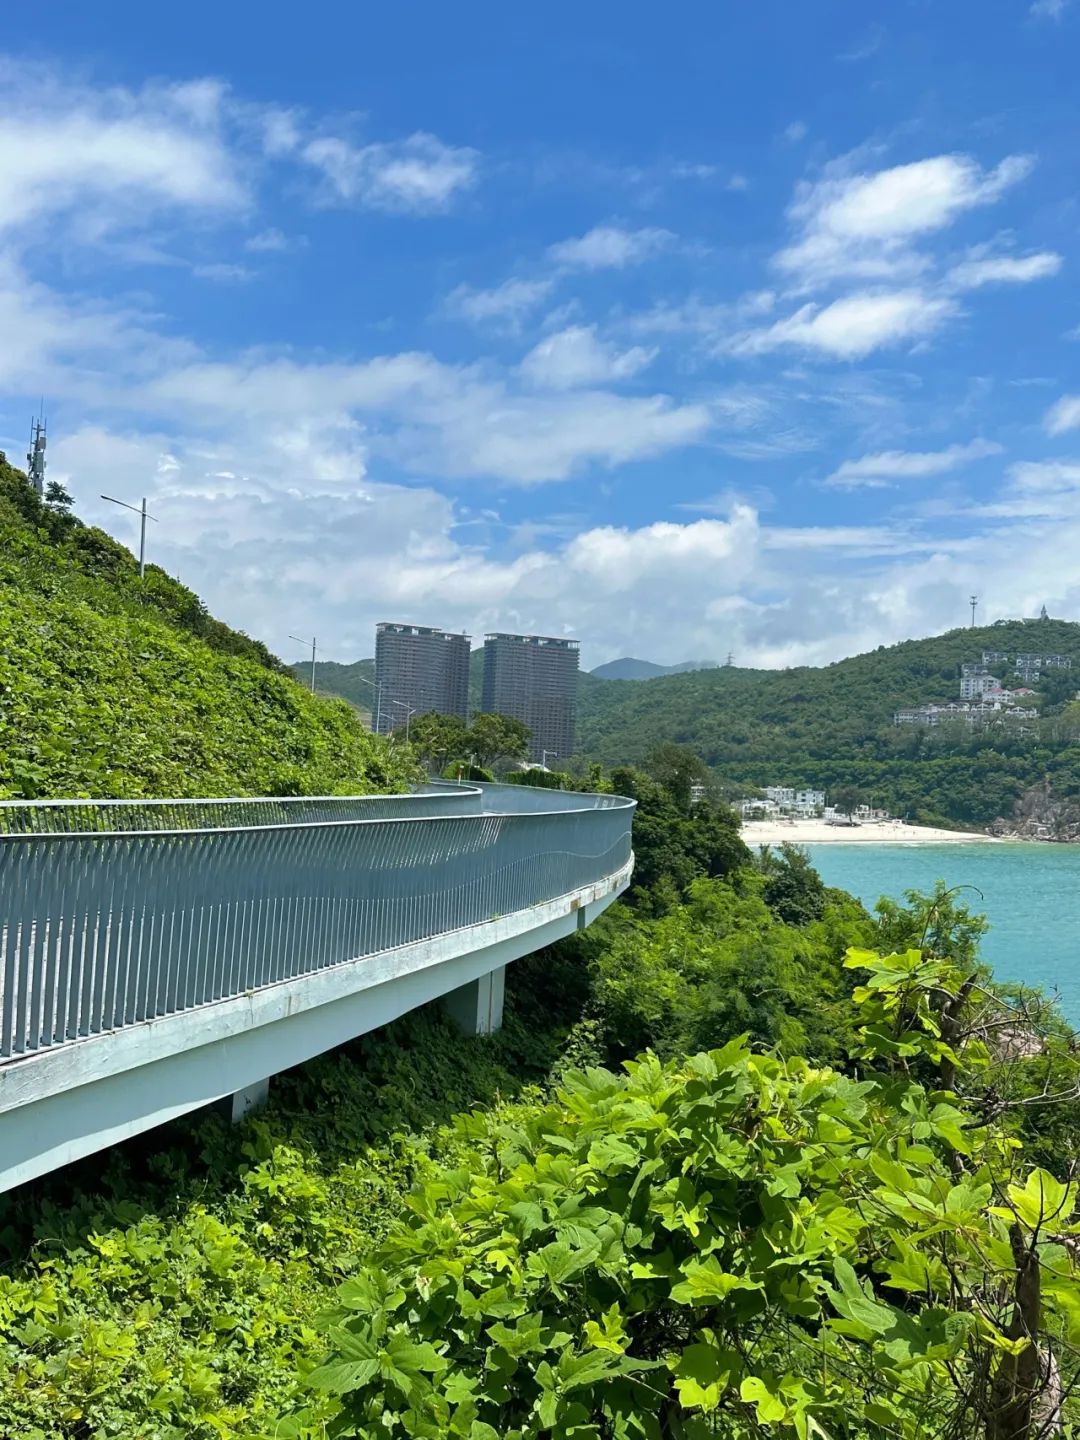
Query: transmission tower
[35,456]
[730,661]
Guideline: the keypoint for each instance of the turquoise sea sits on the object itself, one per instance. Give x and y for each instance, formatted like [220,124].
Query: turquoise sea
[1029,893]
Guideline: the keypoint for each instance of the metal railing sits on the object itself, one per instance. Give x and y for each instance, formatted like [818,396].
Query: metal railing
[117,913]
[61,817]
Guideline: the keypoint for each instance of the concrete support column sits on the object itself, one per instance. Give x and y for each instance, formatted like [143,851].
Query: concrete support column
[478,1006]
[233,1108]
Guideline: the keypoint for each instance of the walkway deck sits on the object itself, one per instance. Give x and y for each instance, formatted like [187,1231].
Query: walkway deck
[157,956]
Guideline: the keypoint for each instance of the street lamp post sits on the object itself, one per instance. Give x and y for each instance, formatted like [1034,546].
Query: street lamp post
[301,641]
[544,754]
[410,711]
[141,511]
[378,687]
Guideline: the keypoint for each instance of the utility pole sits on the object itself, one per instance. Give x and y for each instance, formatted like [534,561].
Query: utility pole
[143,514]
[300,641]
[974,602]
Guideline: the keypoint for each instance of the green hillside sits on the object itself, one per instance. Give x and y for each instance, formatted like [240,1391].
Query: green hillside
[345,682]
[832,726]
[112,686]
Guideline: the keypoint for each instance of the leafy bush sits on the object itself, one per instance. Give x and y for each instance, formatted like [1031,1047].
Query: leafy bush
[726,1245]
[169,1290]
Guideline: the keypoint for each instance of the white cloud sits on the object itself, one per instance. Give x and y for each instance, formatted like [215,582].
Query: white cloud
[982,269]
[531,439]
[872,471]
[222,271]
[863,49]
[506,304]
[575,356]
[864,225]
[1044,476]
[610,247]
[618,559]
[274,242]
[113,156]
[102,163]
[852,327]
[1048,9]
[419,174]
[431,418]
[796,131]
[1063,415]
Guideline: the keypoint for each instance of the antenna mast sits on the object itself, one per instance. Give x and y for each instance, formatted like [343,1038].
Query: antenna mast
[974,601]
[35,456]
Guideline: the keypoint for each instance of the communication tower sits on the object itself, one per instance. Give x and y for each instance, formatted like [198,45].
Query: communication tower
[35,456]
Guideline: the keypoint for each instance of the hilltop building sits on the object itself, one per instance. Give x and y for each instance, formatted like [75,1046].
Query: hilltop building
[973,686]
[987,711]
[1029,667]
[534,678]
[419,669]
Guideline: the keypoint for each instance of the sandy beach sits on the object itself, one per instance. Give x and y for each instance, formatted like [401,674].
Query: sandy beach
[881,832]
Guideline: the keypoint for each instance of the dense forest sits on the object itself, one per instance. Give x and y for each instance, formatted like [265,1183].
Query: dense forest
[831,727]
[115,686]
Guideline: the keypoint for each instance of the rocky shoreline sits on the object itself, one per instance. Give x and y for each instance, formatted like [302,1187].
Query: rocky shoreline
[1041,815]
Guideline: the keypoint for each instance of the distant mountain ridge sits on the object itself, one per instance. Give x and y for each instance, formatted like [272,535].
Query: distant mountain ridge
[630,669]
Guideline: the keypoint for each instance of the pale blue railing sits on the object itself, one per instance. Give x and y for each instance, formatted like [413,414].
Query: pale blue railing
[115,913]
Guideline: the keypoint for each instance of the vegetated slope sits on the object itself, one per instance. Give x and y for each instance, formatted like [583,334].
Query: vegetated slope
[832,726]
[112,686]
[630,669]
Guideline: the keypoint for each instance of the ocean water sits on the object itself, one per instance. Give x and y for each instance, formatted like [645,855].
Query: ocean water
[1029,893]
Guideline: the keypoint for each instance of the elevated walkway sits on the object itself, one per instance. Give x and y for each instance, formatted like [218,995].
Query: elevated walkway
[157,956]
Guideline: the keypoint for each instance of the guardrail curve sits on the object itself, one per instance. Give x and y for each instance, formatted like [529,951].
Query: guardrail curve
[115,913]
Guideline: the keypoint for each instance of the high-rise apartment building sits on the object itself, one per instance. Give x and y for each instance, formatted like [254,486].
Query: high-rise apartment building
[534,678]
[419,669]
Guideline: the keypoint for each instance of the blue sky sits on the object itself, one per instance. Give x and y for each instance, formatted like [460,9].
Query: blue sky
[685,331]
